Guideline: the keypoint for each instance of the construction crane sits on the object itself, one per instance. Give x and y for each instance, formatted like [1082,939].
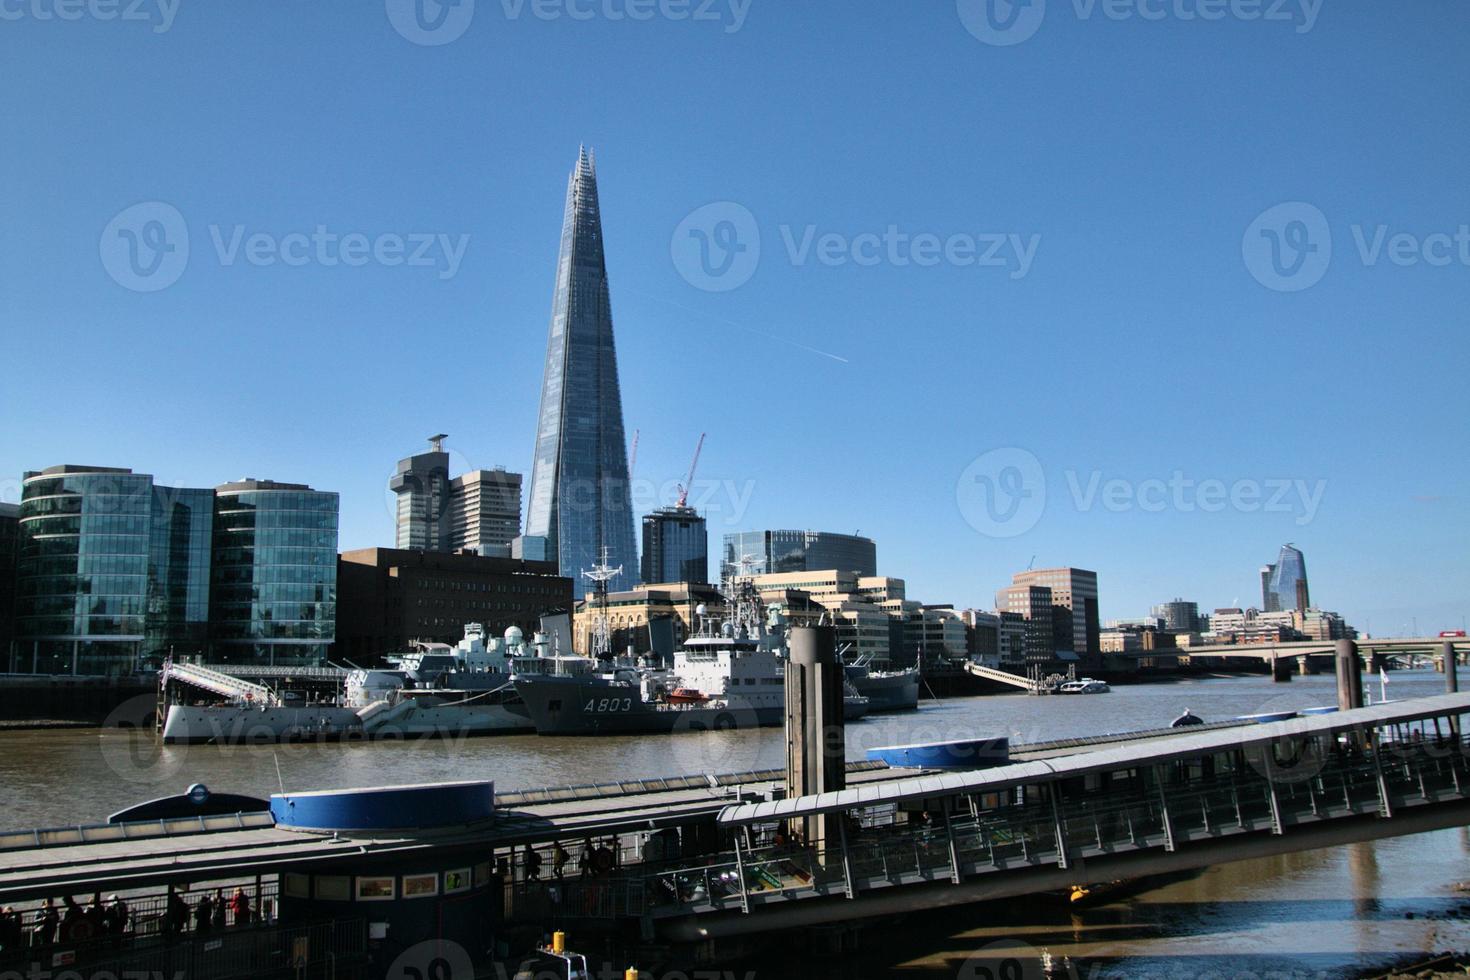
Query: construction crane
[689,480]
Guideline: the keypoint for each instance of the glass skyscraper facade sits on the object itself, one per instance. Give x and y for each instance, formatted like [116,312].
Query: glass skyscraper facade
[115,573]
[579,500]
[274,573]
[798,551]
[675,547]
[1284,584]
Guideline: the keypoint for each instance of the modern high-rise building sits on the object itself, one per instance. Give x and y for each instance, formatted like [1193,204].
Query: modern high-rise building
[421,484]
[774,552]
[675,547]
[1074,589]
[1034,604]
[485,512]
[9,554]
[115,572]
[273,598]
[579,500]
[1285,588]
[1178,616]
[1284,584]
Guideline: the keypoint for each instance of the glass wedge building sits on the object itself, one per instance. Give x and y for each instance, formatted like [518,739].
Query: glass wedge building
[114,573]
[579,498]
[1284,584]
[273,599]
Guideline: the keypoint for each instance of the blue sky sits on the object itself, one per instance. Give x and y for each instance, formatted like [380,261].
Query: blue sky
[848,386]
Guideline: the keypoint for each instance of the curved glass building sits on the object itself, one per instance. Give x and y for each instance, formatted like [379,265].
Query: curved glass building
[1284,584]
[274,576]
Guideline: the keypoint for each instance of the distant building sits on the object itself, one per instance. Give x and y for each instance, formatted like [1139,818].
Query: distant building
[1075,590]
[864,627]
[983,636]
[9,555]
[649,619]
[478,511]
[1178,615]
[421,484]
[389,597]
[775,552]
[485,512]
[1319,624]
[675,546]
[115,572]
[1284,584]
[1032,603]
[273,593]
[1234,625]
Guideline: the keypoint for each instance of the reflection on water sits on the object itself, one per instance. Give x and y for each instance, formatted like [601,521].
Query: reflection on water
[1317,913]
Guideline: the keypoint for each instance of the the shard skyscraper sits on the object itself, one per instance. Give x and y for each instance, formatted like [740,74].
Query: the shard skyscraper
[579,481]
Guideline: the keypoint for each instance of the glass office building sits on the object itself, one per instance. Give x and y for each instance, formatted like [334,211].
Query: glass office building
[273,599]
[675,547]
[1284,584]
[180,541]
[769,552]
[579,499]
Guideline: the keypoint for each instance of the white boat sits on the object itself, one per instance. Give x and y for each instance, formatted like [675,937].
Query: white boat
[1084,685]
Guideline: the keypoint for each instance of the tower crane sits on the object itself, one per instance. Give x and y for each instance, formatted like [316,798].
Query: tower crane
[689,480]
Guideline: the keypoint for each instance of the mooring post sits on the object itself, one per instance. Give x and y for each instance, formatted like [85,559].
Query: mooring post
[1451,680]
[1349,676]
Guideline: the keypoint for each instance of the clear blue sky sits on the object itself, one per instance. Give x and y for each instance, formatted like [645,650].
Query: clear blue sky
[1137,344]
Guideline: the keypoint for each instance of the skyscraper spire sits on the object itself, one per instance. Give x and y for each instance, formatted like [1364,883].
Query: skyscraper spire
[579,498]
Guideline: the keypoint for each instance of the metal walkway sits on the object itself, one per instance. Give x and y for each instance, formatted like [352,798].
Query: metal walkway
[215,682]
[1190,801]
[1005,677]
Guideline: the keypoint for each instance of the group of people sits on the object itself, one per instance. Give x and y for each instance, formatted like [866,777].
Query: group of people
[72,923]
[209,914]
[596,859]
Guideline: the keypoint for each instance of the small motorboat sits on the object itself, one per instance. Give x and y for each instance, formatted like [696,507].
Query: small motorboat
[687,695]
[1084,685]
[1186,719]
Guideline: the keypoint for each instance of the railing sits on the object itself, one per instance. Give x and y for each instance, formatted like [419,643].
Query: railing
[1164,810]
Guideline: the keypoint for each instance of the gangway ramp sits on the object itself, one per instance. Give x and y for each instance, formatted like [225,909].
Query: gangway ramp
[216,682]
[1006,677]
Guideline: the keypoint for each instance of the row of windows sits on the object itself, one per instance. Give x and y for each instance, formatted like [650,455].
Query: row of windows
[73,585]
[529,587]
[280,592]
[266,556]
[267,519]
[293,537]
[473,604]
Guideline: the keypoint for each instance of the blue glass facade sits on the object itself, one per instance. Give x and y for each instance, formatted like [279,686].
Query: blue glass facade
[115,573]
[675,547]
[579,500]
[274,573]
[799,551]
[1285,583]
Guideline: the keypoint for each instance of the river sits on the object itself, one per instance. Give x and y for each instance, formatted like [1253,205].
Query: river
[1325,913]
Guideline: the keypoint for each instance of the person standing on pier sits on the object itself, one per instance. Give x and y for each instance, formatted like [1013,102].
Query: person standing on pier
[218,911]
[559,859]
[203,913]
[240,906]
[117,919]
[46,923]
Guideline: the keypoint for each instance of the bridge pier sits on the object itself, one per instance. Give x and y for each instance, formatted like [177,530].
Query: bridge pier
[815,740]
[1448,665]
[1281,669]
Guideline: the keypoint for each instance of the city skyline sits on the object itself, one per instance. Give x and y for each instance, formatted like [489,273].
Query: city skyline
[1140,251]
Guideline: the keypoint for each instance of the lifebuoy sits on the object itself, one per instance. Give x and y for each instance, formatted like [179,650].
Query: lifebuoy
[249,696]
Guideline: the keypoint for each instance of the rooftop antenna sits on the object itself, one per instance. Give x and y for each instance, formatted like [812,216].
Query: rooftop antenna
[437,441]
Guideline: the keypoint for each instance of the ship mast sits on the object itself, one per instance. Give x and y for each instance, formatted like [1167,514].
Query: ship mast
[599,575]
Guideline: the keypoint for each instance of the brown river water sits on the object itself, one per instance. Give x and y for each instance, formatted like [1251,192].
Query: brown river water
[1328,913]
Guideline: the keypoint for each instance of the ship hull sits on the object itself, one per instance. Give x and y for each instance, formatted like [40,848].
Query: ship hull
[893,692]
[583,706]
[196,724]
